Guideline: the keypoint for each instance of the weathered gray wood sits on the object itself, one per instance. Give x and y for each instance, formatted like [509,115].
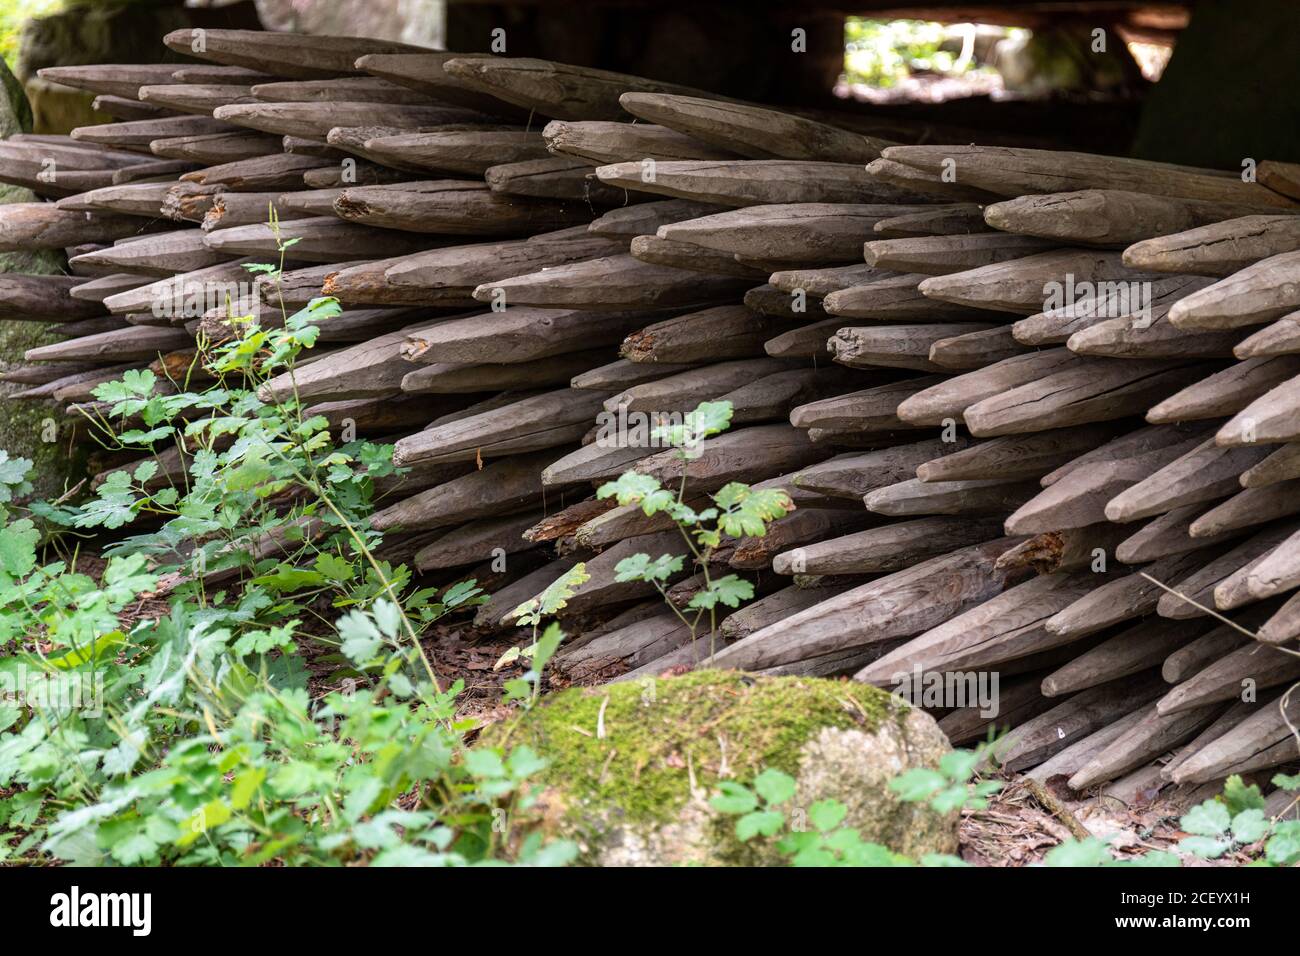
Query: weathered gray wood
[520,334]
[872,409]
[139,134]
[1205,473]
[852,475]
[454,207]
[1282,464]
[819,283]
[44,298]
[558,177]
[197,98]
[891,547]
[898,605]
[121,108]
[1149,337]
[1109,217]
[894,346]
[1247,508]
[1255,295]
[372,369]
[595,462]
[1122,599]
[644,219]
[114,79]
[470,152]
[1280,338]
[1015,456]
[800,528]
[1166,534]
[753,131]
[162,254]
[315,120]
[716,334]
[773,396]
[1226,392]
[815,233]
[920,181]
[1145,645]
[1201,585]
[746,454]
[1150,300]
[973,350]
[37,225]
[282,54]
[541,421]
[612,283]
[685,255]
[136,342]
[916,497]
[1273,417]
[319,239]
[463,379]
[1263,739]
[1093,390]
[277,171]
[450,275]
[1069,549]
[1014,171]
[1074,719]
[624,374]
[1284,624]
[897,297]
[1201,652]
[942,255]
[1005,627]
[1279,569]
[558,90]
[1018,701]
[499,487]
[359,89]
[1217,249]
[953,219]
[804,342]
[477,541]
[949,398]
[1254,666]
[1024,285]
[1150,737]
[184,296]
[603,142]
[776,607]
[215,148]
[682,391]
[754,182]
[134,199]
[423,73]
[1066,762]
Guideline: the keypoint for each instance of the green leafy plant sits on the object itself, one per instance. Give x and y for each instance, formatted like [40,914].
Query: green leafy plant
[192,735]
[738,511]
[950,787]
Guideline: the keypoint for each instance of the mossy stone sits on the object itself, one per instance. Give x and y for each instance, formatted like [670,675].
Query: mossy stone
[632,765]
[28,429]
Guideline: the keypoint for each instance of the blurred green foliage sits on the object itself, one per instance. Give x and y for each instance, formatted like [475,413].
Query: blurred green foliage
[13,13]
[882,52]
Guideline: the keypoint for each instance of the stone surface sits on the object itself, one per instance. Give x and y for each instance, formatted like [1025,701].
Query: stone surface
[639,795]
[27,429]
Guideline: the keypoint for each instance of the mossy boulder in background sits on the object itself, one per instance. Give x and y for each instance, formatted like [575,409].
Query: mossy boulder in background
[27,429]
[633,765]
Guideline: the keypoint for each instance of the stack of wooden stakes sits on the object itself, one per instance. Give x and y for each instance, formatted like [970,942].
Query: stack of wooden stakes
[1039,412]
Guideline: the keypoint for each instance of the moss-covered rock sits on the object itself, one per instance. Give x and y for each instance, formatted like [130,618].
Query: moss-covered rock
[28,429]
[633,765]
